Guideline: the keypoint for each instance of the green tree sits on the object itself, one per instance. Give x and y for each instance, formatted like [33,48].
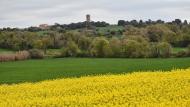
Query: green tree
[135,46]
[115,45]
[42,44]
[135,49]
[84,43]
[45,43]
[164,49]
[188,50]
[71,50]
[100,47]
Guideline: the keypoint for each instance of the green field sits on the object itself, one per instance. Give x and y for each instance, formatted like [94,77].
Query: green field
[111,28]
[178,49]
[38,70]
[5,51]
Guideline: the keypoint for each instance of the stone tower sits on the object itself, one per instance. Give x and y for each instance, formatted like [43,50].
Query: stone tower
[88,18]
[88,21]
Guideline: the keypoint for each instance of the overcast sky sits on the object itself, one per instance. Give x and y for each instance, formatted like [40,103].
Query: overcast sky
[24,13]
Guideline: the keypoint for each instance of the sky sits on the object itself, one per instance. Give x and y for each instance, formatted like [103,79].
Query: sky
[25,13]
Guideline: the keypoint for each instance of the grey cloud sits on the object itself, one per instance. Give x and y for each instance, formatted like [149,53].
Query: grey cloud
[22,13]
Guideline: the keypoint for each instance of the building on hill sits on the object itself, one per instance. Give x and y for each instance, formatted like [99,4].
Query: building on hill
[88,20]
[89,30]
[44,26]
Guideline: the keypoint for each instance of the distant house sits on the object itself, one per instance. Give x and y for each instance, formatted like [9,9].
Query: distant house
[44,26]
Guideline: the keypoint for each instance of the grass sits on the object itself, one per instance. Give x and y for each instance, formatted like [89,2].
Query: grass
[53,52]
[178,49]
[38,70]
[111,28]
[4,51]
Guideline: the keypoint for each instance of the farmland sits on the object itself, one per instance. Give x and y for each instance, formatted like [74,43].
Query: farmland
[147,89]
[39,70]
[5,51]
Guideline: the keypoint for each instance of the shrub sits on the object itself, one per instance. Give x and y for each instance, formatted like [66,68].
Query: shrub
[71,50]
[100,47]
[115,45]
[154,50]
[83,54]
[181,54]
[36,54]
[21,55]
[164,49]
[135,48]
[7,57]
[188,50]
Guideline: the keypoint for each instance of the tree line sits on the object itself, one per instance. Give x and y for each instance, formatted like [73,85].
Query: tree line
[59,27]
[142,23]
[154,40]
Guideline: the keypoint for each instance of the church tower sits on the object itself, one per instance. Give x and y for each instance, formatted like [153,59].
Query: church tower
[88,21]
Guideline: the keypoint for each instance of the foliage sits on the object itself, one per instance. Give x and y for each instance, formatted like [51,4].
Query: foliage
[101,48]
[125,40]
[77,25]
[135,47]
[188,50]
[36,54]
[71,50]
[181,54]
[21,55]
[164,49]
[115,45]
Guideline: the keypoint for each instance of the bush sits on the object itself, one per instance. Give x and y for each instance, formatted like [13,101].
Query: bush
[181,54]
[36,54]
[115,45]
[83,54]
[21,55]
[71,50]
[154,50]
[100,47]
[135,48]
[164,49]
[7,57]
[188,50]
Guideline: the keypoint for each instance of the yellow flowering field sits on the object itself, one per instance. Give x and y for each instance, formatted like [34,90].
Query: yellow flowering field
[146,89]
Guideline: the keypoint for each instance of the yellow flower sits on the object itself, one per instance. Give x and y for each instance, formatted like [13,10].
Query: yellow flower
[145,89]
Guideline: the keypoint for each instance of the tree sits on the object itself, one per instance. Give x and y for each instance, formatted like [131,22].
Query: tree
[177,21]
[155,33]
[188,50]
[185,22]
[71,50]
[131,30]
[38,44]
[100,47]
[160,32]
[45,44]
[121,23]
[164,49]
[84,43]
[42,44]
[115,45]
[135,49]
[36,54]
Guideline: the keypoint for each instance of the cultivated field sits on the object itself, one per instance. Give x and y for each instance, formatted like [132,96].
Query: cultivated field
[39,70]
[147,89]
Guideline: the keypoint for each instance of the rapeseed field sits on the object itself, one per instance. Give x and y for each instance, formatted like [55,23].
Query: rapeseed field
[140,89]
